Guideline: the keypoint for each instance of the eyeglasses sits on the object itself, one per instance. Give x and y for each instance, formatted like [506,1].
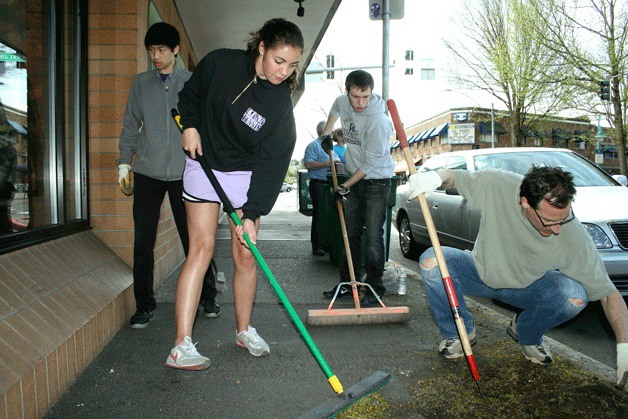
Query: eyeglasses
[570,217]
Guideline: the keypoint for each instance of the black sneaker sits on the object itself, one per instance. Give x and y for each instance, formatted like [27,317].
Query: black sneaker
[141,318]
[370,301]
[344,292]
[210,309]
[318,252]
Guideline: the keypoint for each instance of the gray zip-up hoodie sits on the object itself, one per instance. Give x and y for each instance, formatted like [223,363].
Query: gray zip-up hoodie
[367,135]
[149,132]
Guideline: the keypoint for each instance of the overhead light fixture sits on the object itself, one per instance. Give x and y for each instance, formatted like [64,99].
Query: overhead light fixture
[300,10]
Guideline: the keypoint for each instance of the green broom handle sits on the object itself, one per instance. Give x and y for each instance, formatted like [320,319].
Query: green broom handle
[228,208]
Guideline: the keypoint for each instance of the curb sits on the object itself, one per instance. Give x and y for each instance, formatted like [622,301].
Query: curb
[603,371]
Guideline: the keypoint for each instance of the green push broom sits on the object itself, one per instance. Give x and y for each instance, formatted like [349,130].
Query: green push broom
[345,398]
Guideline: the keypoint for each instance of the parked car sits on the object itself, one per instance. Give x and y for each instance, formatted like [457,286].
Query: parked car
[601,204]
[286,187]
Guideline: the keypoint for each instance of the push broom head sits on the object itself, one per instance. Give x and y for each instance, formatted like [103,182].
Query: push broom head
[358,316]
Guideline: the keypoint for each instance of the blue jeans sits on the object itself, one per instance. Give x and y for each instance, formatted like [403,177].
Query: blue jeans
[545,303]
[365,217]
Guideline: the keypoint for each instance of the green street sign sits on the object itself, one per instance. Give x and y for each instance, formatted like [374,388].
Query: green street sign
[7,56]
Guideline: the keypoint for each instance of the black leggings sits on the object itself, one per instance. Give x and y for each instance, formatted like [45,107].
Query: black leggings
[148,196]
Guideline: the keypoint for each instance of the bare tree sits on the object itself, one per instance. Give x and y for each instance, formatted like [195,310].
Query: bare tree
[497,51]
[590,36]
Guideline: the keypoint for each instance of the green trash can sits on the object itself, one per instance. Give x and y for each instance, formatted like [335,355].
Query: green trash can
[332,221]
[329,213]
[303,189]
[328,220]
[392,201]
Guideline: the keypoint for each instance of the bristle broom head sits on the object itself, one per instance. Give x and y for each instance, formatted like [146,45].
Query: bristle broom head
[357,316]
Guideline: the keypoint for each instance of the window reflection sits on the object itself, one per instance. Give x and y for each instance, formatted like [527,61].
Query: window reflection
[14,212]
[42,151]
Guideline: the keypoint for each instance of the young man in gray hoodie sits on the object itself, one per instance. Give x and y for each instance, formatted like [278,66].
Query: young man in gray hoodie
[366,130]
[151,136]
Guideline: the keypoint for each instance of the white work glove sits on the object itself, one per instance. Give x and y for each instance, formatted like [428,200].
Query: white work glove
[622,364]
[423,182]
[123,172]
[124,178]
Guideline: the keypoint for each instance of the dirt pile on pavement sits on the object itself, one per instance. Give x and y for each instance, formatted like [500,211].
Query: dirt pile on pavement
[511,387]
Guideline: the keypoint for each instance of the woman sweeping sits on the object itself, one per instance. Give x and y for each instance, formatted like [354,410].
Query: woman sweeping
[238,116]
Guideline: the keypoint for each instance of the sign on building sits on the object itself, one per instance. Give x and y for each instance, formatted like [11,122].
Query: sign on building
[599,157]
[461,133]
[376,8]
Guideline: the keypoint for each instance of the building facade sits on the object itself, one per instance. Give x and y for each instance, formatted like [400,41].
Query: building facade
[65,260]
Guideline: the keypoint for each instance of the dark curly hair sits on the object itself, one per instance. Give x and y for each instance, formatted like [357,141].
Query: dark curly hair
[277,32]
[552,184]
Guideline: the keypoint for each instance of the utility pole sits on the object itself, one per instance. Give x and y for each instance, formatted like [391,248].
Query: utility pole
[492,126]
[385,43]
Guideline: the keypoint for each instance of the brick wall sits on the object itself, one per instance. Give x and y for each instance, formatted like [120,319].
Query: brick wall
[62,302]
[116,53]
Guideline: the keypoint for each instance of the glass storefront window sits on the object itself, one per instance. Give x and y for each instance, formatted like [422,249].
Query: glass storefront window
[41,142]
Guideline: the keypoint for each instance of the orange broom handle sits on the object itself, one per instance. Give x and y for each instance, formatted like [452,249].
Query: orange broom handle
[429,223]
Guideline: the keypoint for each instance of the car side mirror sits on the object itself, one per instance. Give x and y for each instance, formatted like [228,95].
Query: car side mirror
[621,179]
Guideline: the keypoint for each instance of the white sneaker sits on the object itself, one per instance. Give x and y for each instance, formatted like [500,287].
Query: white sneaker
[185,357]
[250,340]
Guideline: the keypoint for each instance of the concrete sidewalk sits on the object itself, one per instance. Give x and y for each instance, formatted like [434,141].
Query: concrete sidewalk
[129,379]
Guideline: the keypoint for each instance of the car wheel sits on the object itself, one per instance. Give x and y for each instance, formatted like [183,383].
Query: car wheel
[289,190]
[409,248]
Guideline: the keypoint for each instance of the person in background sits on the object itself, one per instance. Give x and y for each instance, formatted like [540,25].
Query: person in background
[339,147]
[366,130]
[238,117]
[531,252]
[150,146]
[8,164]
[318,165]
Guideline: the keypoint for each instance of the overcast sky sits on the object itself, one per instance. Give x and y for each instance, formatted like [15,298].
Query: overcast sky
[356,41]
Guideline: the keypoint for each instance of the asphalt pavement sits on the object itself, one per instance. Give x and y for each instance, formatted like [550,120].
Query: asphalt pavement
[129,379]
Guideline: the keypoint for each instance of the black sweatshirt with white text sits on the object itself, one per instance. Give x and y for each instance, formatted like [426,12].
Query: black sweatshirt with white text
[245,123]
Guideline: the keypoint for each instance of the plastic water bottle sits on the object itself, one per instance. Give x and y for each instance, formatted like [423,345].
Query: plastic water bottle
[403,277]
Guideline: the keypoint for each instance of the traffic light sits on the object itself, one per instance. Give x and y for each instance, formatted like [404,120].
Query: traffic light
[605,89]
[409,64]
[330,64]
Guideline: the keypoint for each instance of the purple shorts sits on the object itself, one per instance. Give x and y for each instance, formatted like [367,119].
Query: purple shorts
[197,188]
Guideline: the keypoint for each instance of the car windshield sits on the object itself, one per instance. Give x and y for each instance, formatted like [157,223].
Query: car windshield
[584,172]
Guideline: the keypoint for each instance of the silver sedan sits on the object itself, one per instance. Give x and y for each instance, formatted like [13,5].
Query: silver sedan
[601,204]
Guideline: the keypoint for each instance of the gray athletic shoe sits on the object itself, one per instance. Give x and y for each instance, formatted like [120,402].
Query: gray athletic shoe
[452,348]
[250,340]
[539,354]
